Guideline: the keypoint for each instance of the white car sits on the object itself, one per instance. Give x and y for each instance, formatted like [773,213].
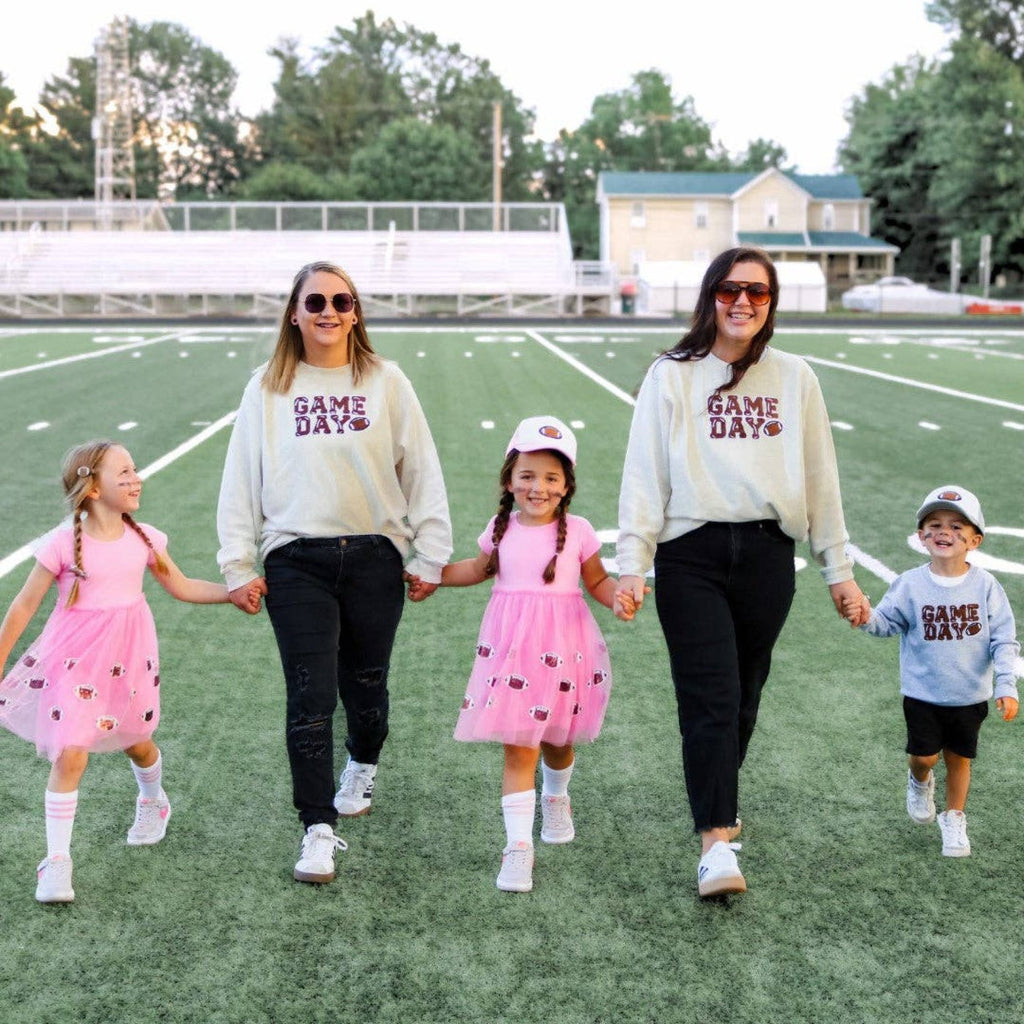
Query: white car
[901,295]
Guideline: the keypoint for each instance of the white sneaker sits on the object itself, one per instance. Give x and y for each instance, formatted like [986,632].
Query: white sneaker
[954,834]
[53,880]
[921,798]
[355,789]
[556,820]
[151,817]
[316,863]
[516,873]
[719,872]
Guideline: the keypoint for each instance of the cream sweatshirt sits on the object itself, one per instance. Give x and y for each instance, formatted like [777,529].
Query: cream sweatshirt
[331,458]
[760,451]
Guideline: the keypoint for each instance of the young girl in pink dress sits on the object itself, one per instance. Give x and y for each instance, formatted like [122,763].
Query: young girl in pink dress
[541,678]
[91,681]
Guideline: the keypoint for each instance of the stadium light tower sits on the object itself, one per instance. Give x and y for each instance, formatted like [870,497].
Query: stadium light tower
[112,125]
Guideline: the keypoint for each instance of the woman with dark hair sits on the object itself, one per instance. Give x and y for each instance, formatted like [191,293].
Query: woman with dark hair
[331,480]
[730,460]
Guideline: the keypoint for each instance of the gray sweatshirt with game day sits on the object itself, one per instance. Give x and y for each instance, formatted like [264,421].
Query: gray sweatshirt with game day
[953,639]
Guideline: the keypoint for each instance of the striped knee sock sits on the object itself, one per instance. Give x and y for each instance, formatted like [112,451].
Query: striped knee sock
[60,820]
[518,810]
[149,779]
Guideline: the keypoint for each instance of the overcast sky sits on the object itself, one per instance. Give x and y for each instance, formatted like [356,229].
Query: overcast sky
[783,70]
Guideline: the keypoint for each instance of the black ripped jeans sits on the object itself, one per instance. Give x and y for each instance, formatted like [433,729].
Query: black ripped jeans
[335,604]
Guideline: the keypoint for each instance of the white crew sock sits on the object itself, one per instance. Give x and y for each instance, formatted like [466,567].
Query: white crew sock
[149,779]
[556,780]
[60,820]
[518,810]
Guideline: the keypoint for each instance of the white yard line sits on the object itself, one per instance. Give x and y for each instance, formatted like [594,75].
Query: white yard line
[908,382]
[585,370]
[98,354]
[25,552]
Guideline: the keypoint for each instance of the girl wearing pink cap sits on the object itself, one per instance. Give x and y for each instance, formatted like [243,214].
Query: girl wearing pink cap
[541,678]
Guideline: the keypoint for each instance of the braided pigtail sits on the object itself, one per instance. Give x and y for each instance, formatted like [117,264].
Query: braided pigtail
[161,565]
[78,475]
[563,525]
[77,567]
[500,526]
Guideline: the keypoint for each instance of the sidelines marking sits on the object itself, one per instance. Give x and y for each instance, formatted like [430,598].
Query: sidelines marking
[892,379]
[585,370]
[98,354]
[25,552]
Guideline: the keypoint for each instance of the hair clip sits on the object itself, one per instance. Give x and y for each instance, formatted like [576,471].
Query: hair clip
[84,471]
[80,573]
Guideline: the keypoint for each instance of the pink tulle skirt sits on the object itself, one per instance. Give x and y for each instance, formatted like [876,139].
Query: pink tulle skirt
[91,680]
[541,673]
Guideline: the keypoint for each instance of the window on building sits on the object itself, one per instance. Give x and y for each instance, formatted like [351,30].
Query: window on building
[636,260]
[828,217]
[700,215]
[637,216]
[771,214]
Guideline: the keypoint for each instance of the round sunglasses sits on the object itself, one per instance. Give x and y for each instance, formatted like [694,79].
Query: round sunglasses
[729,291]
[316,302]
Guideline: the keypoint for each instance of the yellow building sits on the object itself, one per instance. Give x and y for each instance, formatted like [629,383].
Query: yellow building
[651,217]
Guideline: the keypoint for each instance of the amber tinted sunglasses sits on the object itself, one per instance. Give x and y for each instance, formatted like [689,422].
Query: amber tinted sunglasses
[729,291]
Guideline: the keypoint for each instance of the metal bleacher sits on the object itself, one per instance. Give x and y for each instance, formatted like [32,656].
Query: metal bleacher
[238,260]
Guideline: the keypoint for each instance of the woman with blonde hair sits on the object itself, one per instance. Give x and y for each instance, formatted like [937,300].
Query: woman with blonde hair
[331,482]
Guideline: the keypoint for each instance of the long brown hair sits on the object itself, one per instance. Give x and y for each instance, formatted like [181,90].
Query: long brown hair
[80,474]
[698,341]
[288,350]
[506,502]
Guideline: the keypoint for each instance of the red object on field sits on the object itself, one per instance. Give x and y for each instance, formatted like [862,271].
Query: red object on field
[628,288]
[995,308]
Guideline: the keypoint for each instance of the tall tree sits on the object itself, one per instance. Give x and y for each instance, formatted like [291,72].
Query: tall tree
[1000,23]
[371,74]
[890,124]
[641,128]
[13,166]
[187,137]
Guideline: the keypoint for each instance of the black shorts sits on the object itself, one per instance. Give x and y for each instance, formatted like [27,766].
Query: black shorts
[935,727]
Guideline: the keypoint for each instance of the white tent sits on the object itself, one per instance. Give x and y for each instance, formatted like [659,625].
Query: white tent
[671,286]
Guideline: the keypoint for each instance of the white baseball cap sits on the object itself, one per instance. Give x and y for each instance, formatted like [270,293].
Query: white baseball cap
[955,499]
[541,433]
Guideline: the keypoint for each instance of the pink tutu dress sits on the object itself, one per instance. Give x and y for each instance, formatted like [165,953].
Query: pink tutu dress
[92,678]
[541,672]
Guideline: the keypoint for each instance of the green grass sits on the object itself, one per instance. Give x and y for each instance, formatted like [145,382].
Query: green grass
[852,913]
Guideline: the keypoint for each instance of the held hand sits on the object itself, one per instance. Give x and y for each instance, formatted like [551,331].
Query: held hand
[635,588]
[419,590]
[1007,707]
[248,597]
[850,602]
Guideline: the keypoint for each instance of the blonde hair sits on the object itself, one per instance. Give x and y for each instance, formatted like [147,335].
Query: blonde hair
[80,475]
[288,351]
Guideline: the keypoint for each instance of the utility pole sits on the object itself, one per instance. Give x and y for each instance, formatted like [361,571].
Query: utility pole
[496,164]
[954,265]
[985,264]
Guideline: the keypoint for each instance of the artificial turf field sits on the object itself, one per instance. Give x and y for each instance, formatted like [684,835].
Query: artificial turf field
[853,915]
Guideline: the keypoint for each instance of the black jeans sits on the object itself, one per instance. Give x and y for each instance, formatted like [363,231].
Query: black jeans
[723,592]
[335,604]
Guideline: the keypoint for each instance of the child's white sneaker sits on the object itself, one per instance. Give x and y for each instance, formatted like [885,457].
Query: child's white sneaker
[151,817]
[954,834]
[53,880]
[718,872]
[316,861]
[355,789]
[921,798]
[556,820]
[516,873]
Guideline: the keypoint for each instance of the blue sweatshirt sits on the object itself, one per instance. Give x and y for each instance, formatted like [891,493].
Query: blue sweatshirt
[952,638]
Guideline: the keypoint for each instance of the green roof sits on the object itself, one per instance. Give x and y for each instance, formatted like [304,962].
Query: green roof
[848,240]
[772,239]
[720,183]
